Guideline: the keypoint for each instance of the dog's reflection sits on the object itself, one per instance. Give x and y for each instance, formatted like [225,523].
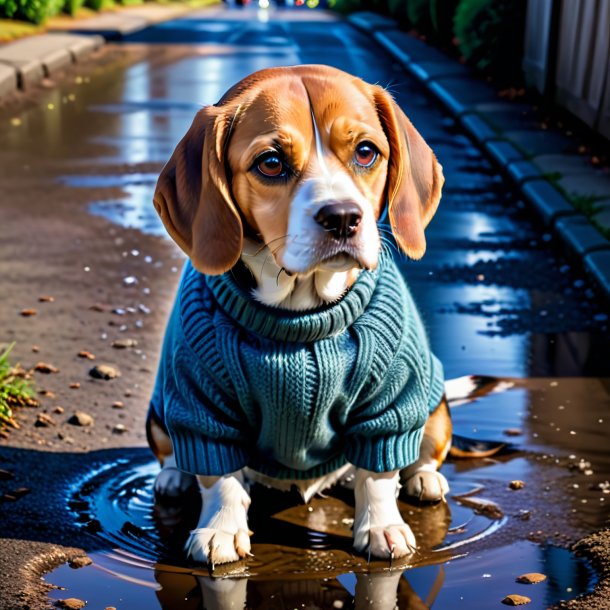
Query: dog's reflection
[285,576]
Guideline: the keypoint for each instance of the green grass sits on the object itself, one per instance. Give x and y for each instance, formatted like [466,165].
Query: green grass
[16,389]
[10,29]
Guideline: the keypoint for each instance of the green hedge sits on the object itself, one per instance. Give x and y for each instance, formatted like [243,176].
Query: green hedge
[490,36]
[36,11]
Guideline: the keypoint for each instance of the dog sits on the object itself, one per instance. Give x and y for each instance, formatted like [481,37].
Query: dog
[294,355]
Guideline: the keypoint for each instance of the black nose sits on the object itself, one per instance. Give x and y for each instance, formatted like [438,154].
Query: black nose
[341,219]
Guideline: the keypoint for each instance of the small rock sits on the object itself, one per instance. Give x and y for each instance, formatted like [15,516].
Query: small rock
[44,421]
[80,418]
[124,343]
[338,604]
[109,608]
[80,562]
[85,354]
[46,298]
[71,603]
[118,405]
[119,429]
[531,578]
[104,371]
[516,484]
[47,393]
[513,432]
[59,410]
[75,385]
[100,307]
[516,600]
[28,313]
[35,349]
[130,280]
[46,368]
[482,507]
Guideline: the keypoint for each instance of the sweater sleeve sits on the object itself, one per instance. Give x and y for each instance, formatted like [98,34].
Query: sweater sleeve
[204,422]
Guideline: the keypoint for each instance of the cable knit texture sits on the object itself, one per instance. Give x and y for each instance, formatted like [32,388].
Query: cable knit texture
[296,394]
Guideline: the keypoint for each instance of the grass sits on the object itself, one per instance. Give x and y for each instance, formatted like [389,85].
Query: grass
[16,390]
[12,29]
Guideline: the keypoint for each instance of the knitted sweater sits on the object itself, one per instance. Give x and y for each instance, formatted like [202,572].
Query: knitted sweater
[295,394]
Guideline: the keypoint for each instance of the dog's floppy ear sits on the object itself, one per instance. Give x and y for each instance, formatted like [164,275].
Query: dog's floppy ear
[193,196]
[415,177]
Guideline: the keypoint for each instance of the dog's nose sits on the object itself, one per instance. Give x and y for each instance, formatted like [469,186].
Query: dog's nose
[341,219]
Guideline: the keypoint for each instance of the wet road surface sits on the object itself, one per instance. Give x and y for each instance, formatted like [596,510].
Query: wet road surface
[498,299]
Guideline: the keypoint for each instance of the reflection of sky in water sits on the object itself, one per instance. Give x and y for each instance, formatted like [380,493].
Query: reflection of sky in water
[136,211]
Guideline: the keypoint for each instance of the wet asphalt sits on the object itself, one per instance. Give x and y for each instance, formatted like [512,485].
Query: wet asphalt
[498,297]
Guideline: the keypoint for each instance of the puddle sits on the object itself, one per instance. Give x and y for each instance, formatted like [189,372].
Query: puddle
[302,553]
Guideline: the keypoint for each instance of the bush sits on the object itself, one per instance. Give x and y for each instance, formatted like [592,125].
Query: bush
[418,14]
[347,6]
[442,13]
[72,6]
[490,36]
[36,11]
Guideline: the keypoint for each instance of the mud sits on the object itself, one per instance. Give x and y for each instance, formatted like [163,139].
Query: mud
[77,168]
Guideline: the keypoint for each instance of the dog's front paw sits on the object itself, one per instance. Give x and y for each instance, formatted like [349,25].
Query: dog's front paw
[213,546]
[426,486]
[392,541]
[172,482]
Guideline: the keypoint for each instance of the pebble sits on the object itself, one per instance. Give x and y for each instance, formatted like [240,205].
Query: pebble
[85,354]
[516,600]
[516,484]
[27,313]
[124,343]
[46,298]
[80,418]
[47,393]
[104,371]
[75,385]
[117,404]
[35,349]
[59,410]
[43,420]
[46,368]
[71,603]
[80,562]
[119,429]
[531,578]
[513,432]
[482,507]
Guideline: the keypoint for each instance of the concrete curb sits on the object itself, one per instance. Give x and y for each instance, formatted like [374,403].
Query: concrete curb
[26,62]
[467,97]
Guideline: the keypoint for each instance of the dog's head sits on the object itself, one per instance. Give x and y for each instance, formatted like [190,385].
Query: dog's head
[302,160]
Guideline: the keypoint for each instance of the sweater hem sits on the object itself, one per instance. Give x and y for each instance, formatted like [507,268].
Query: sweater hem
[385,454]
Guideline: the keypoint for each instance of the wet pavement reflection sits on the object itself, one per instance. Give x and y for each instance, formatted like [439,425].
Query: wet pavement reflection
[497,297]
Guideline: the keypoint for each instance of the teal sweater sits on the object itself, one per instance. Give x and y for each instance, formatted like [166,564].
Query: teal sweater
[295,394]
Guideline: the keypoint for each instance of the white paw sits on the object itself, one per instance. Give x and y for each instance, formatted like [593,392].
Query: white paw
[426,486]
[172,482]
[389,541]
[214,546]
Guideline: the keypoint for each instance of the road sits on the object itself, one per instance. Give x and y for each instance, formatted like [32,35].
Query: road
[78,163]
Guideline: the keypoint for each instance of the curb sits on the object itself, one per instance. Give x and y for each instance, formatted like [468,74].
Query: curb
[467,97]
[27,61]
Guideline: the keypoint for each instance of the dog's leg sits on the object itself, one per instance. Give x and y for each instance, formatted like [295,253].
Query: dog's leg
[421,479]
[378,524]
[171,482]
[222,534]
[377,591]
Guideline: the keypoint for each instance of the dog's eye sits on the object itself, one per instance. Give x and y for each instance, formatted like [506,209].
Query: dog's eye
[270,165]
[366,154]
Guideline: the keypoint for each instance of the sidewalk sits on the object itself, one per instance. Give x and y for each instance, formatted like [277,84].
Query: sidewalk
[571,197]
[26,62]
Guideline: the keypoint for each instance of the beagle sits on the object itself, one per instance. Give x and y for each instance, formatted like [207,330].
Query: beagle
[295,355]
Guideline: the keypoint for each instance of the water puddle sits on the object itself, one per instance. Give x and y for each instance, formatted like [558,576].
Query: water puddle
[471,549]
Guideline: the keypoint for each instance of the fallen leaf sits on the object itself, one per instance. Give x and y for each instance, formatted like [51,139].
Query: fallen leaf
[531,578]
[46,368]
[516,600]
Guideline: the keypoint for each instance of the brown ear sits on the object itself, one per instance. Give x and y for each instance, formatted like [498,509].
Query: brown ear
[415,177]
[193,197]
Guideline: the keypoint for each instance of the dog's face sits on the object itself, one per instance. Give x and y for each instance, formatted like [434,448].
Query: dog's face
[303,160]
